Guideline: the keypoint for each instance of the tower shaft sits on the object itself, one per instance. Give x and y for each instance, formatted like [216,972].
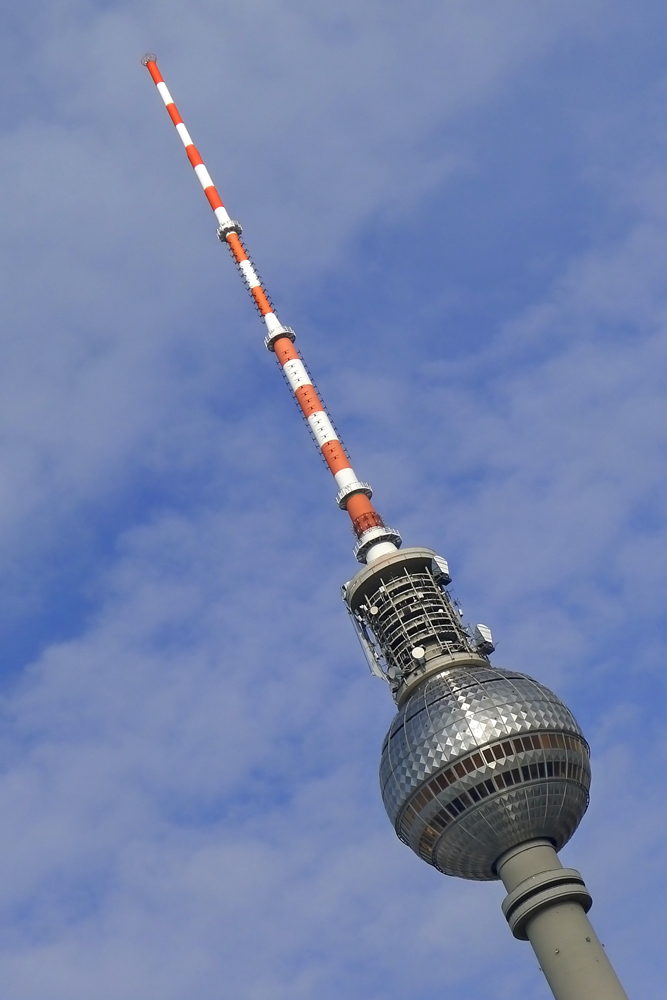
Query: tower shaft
[547,905]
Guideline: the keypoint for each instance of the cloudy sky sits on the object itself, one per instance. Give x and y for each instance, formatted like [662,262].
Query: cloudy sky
[461,206]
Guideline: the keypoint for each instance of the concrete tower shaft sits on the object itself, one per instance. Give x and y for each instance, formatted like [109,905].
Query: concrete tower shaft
[547,905]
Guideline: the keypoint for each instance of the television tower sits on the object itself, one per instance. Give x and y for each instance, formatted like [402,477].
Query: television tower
[484,772]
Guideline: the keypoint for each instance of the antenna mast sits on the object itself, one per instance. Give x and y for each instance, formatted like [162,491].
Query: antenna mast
[374,538]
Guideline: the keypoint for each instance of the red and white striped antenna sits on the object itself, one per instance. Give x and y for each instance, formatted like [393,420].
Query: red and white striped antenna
[374,538]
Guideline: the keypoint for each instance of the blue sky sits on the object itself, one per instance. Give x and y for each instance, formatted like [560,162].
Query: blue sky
[462,209]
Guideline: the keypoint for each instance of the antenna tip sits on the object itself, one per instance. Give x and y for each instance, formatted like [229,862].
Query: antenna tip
[149,57]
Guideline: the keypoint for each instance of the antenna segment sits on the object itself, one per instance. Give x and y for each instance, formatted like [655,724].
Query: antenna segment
[374,538]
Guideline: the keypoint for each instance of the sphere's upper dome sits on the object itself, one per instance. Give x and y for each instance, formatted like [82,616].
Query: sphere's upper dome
[479,760]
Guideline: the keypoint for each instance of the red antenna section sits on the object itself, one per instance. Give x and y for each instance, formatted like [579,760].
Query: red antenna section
[374,538]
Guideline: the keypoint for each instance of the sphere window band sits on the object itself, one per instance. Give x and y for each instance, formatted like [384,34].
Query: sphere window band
[495,753]
[448,810]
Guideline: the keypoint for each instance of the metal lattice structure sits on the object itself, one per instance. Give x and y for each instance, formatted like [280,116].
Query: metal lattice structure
[405,618]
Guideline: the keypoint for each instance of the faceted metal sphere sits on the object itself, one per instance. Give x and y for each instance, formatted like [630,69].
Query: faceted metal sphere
[478,760]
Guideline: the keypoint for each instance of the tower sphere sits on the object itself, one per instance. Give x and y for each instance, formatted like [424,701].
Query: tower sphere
[478,760]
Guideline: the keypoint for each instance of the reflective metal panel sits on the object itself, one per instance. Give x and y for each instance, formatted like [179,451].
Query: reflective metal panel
[478,760]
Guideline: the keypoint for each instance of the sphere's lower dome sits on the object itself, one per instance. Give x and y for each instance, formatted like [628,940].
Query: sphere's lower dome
[479,760]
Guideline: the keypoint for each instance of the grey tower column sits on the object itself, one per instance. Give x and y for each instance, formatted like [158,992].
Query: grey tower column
[547,905]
